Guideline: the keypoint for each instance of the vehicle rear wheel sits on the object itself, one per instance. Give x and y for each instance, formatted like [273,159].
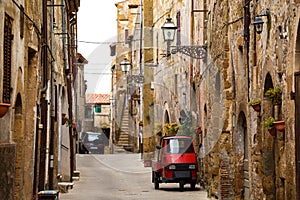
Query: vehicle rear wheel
[181,186]
[156,184]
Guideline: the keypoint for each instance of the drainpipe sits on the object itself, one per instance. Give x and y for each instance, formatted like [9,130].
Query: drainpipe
[247,39]
[69,92]
[52,114]
[141,73]
[41,176]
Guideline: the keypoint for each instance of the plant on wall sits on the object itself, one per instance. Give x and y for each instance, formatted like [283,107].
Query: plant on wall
[170,129]
[187,127]
[158,129]
[275,95]
[255,103]
[268,125]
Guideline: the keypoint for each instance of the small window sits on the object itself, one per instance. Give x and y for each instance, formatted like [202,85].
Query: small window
[98,108]
[88,112]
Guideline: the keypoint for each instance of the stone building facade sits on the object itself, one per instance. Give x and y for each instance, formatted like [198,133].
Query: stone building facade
[239,159]
[35,62]
[242,160]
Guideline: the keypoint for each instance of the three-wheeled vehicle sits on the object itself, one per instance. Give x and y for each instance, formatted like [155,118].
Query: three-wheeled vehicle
[176,162]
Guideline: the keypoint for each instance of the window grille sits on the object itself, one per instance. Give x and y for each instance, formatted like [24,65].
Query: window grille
[7,49]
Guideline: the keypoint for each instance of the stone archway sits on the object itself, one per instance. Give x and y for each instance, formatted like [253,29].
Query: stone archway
[18,139]
[268,150]
[242,159]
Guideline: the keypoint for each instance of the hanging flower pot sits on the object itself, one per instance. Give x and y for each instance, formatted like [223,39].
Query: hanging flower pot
[255,104]
[4,108]
[268,125]
[256,107]
[64,118]
[279,125]
[272,131]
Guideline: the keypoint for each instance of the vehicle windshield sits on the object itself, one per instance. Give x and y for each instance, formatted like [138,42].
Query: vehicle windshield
[179,146]
[93,138]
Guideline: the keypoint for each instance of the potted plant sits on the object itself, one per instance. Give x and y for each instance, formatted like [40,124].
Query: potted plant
[63,118]
[255,103]
[279,125]
[170,129]
[141,123]
[158,129]
[275,95]
[268,125]
[4,108]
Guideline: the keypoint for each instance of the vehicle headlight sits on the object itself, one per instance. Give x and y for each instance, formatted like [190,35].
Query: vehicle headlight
[192,166]
[172,167]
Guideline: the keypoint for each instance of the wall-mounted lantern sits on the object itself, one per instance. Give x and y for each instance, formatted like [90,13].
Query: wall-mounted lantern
[195,51]
[125,65]
[259,23]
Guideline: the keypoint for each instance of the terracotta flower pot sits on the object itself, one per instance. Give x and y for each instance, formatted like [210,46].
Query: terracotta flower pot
[279,125]
[63,118]
[4,108]
[256,107]
[272,131]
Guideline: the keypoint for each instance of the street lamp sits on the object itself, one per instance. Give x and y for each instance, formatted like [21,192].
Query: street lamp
[169,29]
[194,51]
[259,23]
[125,65]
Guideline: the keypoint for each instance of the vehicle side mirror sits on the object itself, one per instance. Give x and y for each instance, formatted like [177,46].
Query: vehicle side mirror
[158,147]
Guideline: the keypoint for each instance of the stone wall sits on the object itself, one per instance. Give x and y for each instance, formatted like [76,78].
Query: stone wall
[7,171]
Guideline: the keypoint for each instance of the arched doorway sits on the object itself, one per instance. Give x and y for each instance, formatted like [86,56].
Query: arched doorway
[268,145]
[242,153]
[166,117]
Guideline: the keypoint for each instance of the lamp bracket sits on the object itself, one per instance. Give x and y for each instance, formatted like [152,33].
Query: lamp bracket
[136,78]
[194,51]
[267,13]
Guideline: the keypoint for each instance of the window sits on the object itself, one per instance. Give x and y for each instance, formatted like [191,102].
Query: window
[179,146]
[7,45]
[88,112]
[98,108]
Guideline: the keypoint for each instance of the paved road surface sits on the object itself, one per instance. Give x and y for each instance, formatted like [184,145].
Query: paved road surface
[122,177]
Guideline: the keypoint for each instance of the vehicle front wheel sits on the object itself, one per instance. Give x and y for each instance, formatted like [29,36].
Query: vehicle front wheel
[155,180]
[193,186]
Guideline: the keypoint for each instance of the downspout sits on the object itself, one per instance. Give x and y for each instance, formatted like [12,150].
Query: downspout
[141,73]
[43,139]
[52,114]
[67,71]
[247,39]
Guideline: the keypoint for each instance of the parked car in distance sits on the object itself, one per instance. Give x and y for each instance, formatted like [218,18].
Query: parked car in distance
[91,142]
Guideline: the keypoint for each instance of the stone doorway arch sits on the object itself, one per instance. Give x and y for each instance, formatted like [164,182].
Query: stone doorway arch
[242,154]
[268,143]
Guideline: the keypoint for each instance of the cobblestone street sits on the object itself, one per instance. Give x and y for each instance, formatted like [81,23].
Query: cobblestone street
[122,176]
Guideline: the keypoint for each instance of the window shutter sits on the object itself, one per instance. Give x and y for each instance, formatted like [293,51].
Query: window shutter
[178,28]
[7,48]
